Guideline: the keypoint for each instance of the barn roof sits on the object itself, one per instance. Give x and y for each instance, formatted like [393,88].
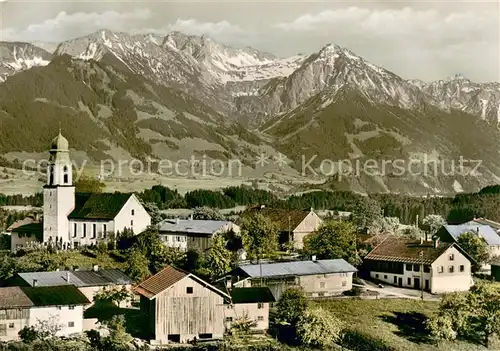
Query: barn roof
[485,231]
[166,278]
[296,268]
[252,295]
[191,226]
[101,277]
[98,206]
[11,297]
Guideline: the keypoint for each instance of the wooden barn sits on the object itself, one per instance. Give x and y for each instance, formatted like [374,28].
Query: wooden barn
[179,307]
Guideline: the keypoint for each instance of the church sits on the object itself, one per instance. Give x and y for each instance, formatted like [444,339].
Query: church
[73,219]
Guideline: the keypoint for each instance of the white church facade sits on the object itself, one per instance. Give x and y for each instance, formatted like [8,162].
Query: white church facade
[73,219]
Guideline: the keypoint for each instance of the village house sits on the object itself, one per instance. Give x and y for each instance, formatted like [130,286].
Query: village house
[434,266]
[179,307]
[193,234]
[485,221]
[250,304]
[71,219]
[59,307]
[451,233]
[318,278]
[89,282]
[293,225]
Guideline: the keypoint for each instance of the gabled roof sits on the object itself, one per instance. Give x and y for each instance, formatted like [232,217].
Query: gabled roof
[23,222]
[493,224]
[251,295]
[101,277]
[12,297]
[167,278]
[191,226]
[296,268]
[55,295]
[98,206]
[283,219]
[397,249]
[485,231]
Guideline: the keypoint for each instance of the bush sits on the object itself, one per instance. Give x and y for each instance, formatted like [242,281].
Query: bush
[357,341]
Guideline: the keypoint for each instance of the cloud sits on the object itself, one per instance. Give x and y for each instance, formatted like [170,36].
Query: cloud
[65,26]
[195,27]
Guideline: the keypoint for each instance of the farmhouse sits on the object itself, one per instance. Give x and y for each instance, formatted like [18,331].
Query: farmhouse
[319,278]
[451,233]
[70,219]
[293,225]
[434,266]
[60,307]
[89,282]
[178,307]
[251,304]
[192,234]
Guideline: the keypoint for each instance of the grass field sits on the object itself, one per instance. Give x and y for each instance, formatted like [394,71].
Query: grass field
[399,323]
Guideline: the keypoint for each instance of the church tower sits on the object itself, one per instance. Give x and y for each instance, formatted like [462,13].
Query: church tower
[58,193]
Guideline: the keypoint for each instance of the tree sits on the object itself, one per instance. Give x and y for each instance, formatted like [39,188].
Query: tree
[411,232]
[219,259]
[117,332]
[476,247]
[333,239]
[366,211]
[468,315]
[86,184]
[385,225]
[137,265]
[112,295]
[259,235]
[432,223]
[290,309]
[319,328]
[153,210]
[207,213]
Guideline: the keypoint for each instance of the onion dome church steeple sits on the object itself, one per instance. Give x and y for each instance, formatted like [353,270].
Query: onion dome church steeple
[59,169]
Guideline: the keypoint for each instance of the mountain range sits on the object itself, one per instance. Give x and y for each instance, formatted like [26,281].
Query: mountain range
[121,95]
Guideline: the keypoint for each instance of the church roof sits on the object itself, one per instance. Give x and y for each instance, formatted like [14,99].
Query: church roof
[59,143]
[98,206]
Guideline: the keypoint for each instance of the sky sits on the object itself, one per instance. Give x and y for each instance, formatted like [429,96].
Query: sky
[426,40]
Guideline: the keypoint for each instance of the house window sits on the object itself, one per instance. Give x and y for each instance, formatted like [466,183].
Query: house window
[451,269]
[132,212]
[260,305]
[84,230]
[408,267]
[385,276]
[260,318]
[75,226]
[71,307]
[132,223]
[409,281]
[104,230]
[71,324]
[321,294]
[451,257]
[462,268]
[376,276]
[189,290]
[344,283]
[416,268]
[440,269]
[11,325]
[427,269]
[322,285]
[229,319]
[395,280]
[94,231]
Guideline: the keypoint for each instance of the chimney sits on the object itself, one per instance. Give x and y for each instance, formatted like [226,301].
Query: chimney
[436,243]
[34,282]
[311,209]
[67,276]
[313,258]
[96,268]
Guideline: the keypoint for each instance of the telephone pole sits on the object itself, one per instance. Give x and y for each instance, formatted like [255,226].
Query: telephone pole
[421,275]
